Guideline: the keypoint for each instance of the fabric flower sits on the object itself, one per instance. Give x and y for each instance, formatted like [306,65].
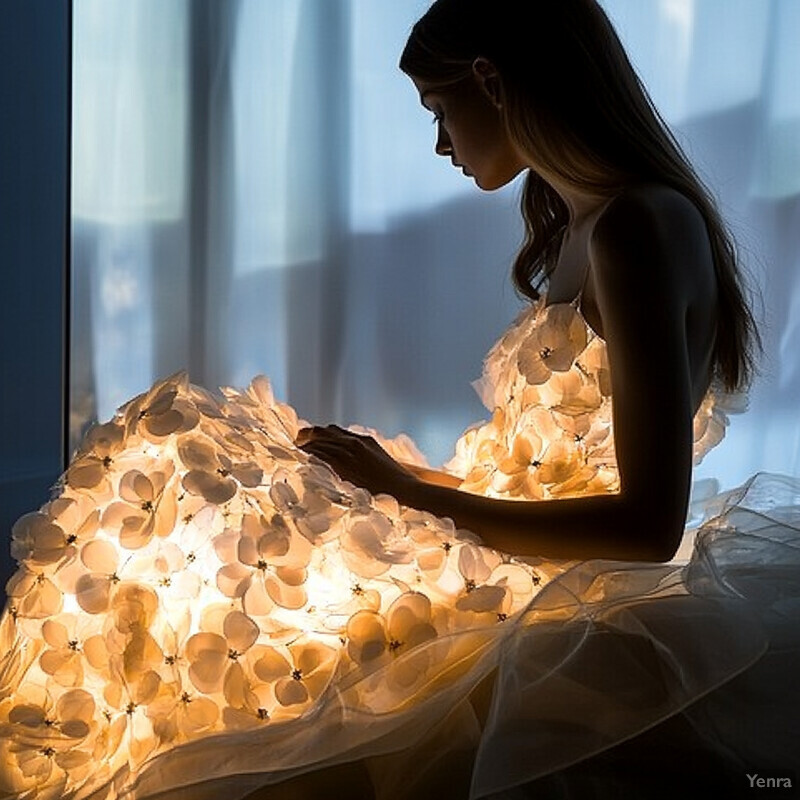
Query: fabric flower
[553,345]
[43,738]
[264,565]
[212,474]
[93,588]
[63,658]
[147,506]
[407,624]
[299,672]
[163,410]
[33,594]
[371,544]
[211,656]
[179,715]
[35,538]
[308,497]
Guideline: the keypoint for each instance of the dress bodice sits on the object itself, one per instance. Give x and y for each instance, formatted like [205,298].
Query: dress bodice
[547,383]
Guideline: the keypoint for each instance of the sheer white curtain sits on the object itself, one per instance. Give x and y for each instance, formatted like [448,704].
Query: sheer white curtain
[255,191]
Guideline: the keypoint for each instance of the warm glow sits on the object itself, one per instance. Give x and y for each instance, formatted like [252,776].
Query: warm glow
[197,573]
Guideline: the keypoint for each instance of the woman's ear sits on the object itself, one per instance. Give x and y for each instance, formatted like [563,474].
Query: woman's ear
[488,79]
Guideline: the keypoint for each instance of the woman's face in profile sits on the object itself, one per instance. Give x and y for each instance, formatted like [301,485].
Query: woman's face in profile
[470,131]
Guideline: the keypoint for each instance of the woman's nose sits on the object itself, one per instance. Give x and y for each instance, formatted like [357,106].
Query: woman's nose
[443,144]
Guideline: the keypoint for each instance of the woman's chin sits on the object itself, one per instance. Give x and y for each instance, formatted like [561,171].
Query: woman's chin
[486,185]
[492,183]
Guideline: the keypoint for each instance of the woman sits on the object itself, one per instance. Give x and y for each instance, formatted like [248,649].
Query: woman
[618,223]
[205,600]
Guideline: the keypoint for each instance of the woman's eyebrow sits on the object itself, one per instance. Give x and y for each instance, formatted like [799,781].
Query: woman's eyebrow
[422,97]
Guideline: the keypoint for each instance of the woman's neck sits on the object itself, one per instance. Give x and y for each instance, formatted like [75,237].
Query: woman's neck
[582,205]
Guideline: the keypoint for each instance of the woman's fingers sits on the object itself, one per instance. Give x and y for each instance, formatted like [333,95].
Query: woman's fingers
[331,435]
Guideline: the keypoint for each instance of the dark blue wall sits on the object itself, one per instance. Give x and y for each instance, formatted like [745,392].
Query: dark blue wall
[34,227]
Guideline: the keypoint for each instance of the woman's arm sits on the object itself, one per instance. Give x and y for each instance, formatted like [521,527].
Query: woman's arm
[650,266]
[433,476]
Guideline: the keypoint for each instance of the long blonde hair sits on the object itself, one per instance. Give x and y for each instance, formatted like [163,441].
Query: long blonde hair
[572,97]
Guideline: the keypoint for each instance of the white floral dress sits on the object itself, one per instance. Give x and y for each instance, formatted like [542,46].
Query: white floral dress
[202,600]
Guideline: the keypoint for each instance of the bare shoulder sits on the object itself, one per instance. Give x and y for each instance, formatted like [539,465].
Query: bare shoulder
[651,210]
[652,231]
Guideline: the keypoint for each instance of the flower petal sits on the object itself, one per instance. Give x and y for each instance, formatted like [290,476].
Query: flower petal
[100,555]
[240,631]
[290,692]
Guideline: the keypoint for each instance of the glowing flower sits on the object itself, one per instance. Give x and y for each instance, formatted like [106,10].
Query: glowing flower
[571,393]
[133,607]
[37,539]
[65,636]
[104,441]
[130,730]
[594,362]
[476,565]
[212,655]
[93,586]
[518,471]
[33,594]
[278,418]
[163,410]
[406,625]
[264,565]
[299,672]
[89,473]
[372,543]
[315,513]
[43,737]
[553,345]
[147,507]
[212,474]
[69,717]
[178,715]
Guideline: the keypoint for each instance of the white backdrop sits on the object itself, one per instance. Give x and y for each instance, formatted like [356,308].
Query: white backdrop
[255,190]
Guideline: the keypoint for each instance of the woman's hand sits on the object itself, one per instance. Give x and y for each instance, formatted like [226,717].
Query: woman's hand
[358,459]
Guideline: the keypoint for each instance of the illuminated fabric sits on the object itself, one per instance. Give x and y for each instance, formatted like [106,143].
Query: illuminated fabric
[198,584]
